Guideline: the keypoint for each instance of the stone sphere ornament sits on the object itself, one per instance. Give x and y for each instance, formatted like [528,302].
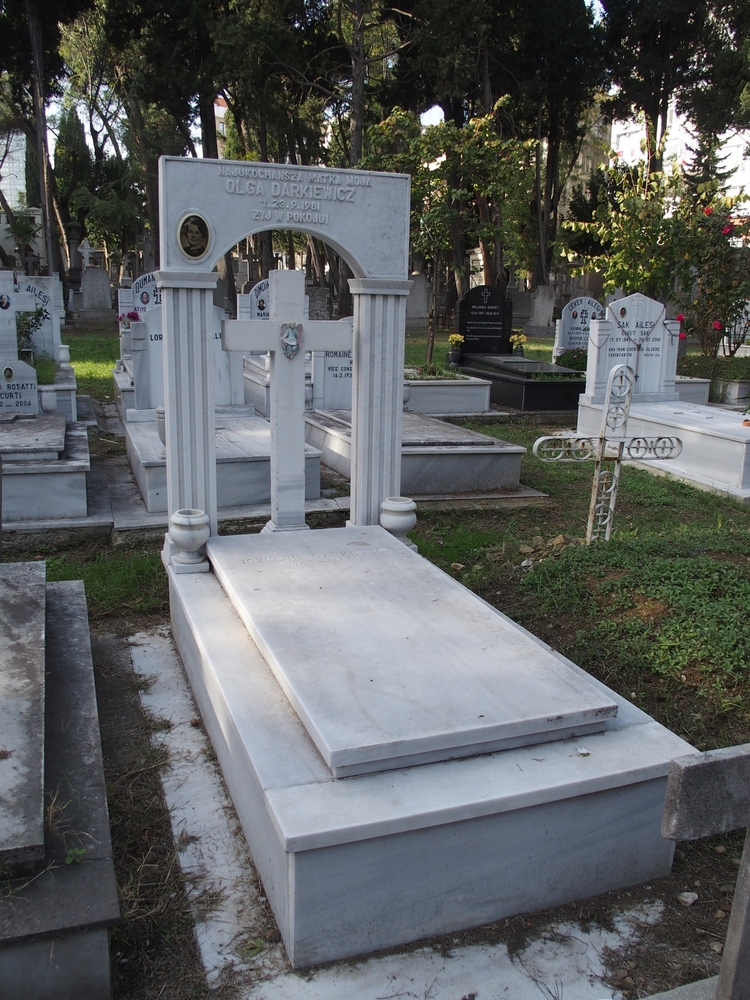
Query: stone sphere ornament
[189,531]
[398,516]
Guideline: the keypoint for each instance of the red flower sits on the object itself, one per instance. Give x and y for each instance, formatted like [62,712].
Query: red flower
[708,210]
[725,230]
[716,325]
[683,336]
[680,317]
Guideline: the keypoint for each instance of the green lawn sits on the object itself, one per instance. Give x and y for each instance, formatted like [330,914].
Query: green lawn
[93,354]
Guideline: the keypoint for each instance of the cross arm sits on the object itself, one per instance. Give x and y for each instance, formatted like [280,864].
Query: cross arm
[707,793]
[263,335]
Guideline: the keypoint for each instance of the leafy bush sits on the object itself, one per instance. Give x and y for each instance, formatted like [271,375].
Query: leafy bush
[575,358]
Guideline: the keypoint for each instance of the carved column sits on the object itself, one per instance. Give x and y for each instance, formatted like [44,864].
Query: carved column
[377,394]
[188,326]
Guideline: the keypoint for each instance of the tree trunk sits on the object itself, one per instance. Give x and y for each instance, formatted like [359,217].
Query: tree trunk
[33,15]
[542,276]
[359,68]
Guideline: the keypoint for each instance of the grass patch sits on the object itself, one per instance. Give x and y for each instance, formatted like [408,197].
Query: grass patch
[44,366]
[658,613]
[93,356]
[117,583]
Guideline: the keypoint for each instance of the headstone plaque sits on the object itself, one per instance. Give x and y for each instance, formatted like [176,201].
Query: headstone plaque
[332,380]
[18,388]
[634,333]
[145,294]
[485,318]
[574,326]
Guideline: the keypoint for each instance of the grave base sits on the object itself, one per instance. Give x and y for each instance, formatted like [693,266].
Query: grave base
[362,863]
[124,391]
[56,488]
[243,461]
[715,446]
[436,457]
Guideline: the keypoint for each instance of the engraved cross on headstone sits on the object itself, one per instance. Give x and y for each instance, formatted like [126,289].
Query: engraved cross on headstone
[287,335]
[610,446]
[87,252]
[485,295]
[707,794]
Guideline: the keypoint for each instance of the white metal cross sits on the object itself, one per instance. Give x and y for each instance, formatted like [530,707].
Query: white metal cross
[287,336]
[611,445]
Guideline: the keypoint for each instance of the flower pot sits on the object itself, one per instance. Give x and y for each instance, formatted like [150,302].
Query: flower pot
[189,531]
[397,515]
[454,357]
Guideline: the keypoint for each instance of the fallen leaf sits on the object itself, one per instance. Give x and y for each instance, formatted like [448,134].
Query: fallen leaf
[720,914]
[457,566]
[716,946]
[525,549]
[720,849]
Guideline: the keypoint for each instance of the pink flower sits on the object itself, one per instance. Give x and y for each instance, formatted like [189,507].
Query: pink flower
[725,230]
[683,336]
[680,317]
[716,325]
[708,210]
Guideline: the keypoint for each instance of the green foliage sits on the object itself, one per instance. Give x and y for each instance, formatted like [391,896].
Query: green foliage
[432,371]
[576,358]
[27,323]
[73,162]
[713,267]
[45,369]
[724,369]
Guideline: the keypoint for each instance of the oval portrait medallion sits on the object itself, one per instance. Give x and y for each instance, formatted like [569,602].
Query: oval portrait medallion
[193,236]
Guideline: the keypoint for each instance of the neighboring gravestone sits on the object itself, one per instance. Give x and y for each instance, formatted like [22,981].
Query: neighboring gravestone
[254,304]
[635,333]
[95,290]
[319,302]
[485,318]
[332,380]
[574,326]
[18,384]
[148,363]
[709,794]
[48,295]
[145,294]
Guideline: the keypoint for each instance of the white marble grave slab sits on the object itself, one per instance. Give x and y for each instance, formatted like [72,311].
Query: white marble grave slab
[40,439]
[388,661]
[22,604]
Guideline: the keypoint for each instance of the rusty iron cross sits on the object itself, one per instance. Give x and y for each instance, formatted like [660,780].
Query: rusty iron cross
[608,451]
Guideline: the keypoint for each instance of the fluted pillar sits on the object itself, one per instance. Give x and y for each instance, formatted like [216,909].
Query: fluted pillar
[377,394]
[188,327]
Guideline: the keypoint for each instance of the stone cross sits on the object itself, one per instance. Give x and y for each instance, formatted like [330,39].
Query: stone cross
[707,794]
[610,446]
[287,335]
[87,252]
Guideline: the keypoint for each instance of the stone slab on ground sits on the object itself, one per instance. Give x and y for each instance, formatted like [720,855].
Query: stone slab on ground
[347,620]
[54,928]
[243,461]
[363,863]
[22,682]
[437,457]
[715,446]
[26,439]
[35,490]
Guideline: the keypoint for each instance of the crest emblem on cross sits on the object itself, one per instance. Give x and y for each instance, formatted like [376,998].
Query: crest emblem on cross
[291,339]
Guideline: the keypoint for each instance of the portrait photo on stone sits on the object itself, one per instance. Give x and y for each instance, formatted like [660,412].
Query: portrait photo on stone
[193,236]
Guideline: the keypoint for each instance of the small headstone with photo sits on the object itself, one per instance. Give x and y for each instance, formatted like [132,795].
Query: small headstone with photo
[574,326]
[636,333]
[18,382]
[254,304]
[485,318]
